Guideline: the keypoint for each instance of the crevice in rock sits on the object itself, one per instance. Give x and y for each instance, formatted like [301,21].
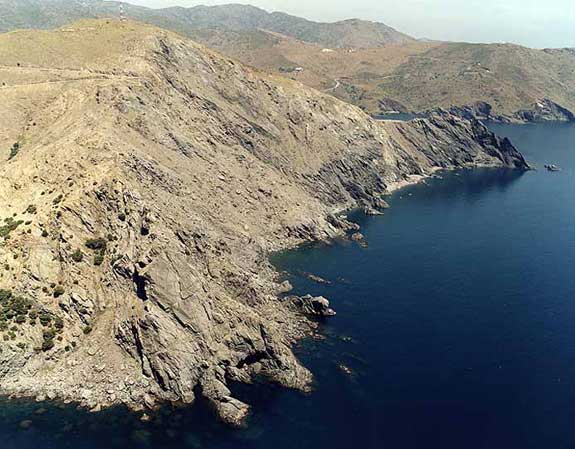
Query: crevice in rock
[138,343]
[253,358]
[140,284]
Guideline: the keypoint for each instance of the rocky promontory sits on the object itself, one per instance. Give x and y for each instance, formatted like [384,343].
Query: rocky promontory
[145,180]
[543,110]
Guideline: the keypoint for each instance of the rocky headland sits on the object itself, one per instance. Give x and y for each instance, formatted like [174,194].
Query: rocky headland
[543,110]
[145,180]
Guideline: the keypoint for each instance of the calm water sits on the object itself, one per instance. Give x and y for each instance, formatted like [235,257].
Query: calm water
[458,322]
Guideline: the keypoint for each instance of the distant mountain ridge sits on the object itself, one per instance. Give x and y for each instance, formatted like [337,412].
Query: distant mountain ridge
[364,63]
[353,33]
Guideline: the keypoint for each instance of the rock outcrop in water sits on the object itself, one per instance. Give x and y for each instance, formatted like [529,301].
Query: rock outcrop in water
[317,306]
[145,180]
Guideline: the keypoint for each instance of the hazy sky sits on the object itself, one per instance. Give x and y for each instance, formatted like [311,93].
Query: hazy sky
[536,23]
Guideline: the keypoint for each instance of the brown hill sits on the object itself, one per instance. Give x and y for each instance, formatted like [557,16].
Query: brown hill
[506,82]
[365,63]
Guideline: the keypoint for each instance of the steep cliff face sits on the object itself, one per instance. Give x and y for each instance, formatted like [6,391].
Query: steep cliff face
[145,181]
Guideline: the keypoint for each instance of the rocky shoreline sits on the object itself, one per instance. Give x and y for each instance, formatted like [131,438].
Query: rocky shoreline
[229,409]
[543,111]
[142,205]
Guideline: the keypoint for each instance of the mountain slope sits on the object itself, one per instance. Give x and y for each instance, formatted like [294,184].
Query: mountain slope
[352,33]
[508,77]
[230,19]
[144,182]
[386,71]
[506,82]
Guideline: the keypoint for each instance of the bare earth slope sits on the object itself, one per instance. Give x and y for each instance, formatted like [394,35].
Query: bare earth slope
[144,180]
[498,81]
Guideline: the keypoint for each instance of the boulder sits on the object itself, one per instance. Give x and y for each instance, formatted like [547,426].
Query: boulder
[314,305]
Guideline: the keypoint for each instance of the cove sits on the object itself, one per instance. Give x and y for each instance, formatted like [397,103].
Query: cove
[457,323]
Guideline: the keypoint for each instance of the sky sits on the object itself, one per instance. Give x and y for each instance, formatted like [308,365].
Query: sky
[534,23]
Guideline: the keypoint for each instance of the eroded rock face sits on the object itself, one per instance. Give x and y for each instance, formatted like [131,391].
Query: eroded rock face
[153,179]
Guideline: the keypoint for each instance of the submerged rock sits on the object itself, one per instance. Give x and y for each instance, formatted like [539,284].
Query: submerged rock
[552,167]
[359,239]
[317,279]
[25,424]
[345,369]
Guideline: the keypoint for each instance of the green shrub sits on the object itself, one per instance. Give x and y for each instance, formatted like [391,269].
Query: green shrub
[97,244]
[98,259]
[9,227]
[14,150]
[48,334]
[13,307]
[45,319]
[5,295]
[77,256]
[58,291]
[87,330]
[31,209]
[47,345]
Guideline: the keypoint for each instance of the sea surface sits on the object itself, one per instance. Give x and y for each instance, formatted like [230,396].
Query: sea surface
[455,329]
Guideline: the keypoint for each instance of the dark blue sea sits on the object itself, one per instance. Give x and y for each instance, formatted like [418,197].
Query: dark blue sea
[457,323]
